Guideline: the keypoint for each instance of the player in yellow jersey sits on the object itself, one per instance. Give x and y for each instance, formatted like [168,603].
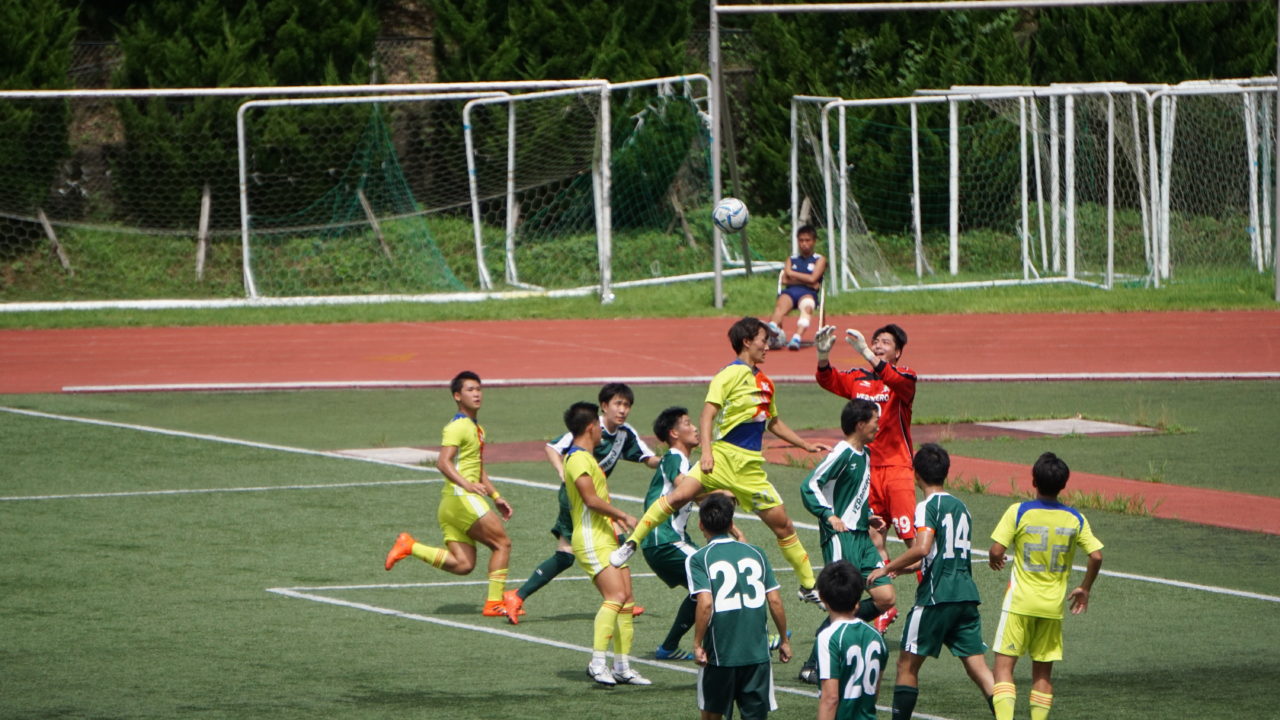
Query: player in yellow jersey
[739,408]
[1043,535]
[464,513]
[594,538]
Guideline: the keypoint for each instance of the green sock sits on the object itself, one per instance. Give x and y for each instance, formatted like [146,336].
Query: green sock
[685,616]
[813,653]
[546,572]
[867,610]
[904,701]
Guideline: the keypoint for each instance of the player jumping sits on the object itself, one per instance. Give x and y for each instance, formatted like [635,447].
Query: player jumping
[739,408]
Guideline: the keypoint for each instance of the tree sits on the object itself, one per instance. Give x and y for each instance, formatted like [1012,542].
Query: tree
[35,53]
[176,147]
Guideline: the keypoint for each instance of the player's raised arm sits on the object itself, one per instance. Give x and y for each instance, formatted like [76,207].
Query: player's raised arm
[859,343]
[784,432]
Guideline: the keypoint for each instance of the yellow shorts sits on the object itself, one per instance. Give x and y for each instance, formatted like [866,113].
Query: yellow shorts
[591,548]
[458,513]
[741,472]
[1019,635]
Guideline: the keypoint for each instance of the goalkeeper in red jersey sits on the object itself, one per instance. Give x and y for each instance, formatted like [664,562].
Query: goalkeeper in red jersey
[892,387]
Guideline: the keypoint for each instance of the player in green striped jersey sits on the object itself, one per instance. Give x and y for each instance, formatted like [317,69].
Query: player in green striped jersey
[850,652]
[836,493]
[736,592]
[946,608]
[669,545]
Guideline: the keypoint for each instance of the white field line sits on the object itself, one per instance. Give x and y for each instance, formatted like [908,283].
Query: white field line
[301,594]
[508,480]
[647,380]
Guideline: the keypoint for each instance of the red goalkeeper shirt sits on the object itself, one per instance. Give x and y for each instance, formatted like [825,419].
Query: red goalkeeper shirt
[893,389]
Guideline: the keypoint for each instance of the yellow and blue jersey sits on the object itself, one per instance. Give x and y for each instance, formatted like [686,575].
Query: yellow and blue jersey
[1042,537]
[468,436]
[745,396]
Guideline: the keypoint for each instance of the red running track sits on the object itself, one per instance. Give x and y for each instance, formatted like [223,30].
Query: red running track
[1174,343]
[1157,344]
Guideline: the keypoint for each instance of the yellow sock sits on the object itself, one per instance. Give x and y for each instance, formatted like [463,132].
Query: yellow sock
[1003,699]
[658,513]
[798,558]
[1040,705]
[626,632]
[433,556]
[497,583]
[606,619]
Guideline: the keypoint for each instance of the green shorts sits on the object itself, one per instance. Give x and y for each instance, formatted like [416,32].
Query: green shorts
[856,547]
[563,528]
[667,562]
[750,686]
[957,625]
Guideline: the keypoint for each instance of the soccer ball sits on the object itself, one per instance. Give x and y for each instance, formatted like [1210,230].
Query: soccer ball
[730,215]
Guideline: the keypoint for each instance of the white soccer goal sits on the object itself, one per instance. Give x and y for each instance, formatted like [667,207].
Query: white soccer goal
[355,194]
[1064,258]
[1070,183]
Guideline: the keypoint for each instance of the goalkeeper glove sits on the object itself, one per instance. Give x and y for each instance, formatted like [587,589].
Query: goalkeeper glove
[824,341]
[859,343]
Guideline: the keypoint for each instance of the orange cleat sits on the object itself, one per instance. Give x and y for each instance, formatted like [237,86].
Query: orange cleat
[494,608]
[636,611]
[886,618]
[401,550]
[512,603]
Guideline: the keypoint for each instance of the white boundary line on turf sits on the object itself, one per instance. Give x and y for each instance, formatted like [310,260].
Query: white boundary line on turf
[508,480]
[644,380]
[298,594]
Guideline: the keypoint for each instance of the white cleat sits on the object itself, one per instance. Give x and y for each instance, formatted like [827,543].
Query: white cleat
[619,557]
[630,677]
[810,595]
[601,674]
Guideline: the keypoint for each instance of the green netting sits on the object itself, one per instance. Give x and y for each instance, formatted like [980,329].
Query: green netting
[332,246]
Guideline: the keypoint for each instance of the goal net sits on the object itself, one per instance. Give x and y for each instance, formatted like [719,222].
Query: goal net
[993,185]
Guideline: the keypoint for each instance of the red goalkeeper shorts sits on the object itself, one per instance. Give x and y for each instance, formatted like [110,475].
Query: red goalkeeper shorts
[893,497]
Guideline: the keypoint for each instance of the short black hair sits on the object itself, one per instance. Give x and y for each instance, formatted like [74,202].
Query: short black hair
[809,229]
[666,422]
[455,385]
[899,335]
[716,513]
[579,417]
[932,463]
[743,331]
[1050,474]
[614,389]
[857,410]
[840,586]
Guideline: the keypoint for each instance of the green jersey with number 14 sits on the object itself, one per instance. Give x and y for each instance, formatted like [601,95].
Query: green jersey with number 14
[946,572]
[737,576]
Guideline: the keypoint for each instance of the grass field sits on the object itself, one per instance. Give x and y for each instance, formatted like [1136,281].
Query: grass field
[157,575]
